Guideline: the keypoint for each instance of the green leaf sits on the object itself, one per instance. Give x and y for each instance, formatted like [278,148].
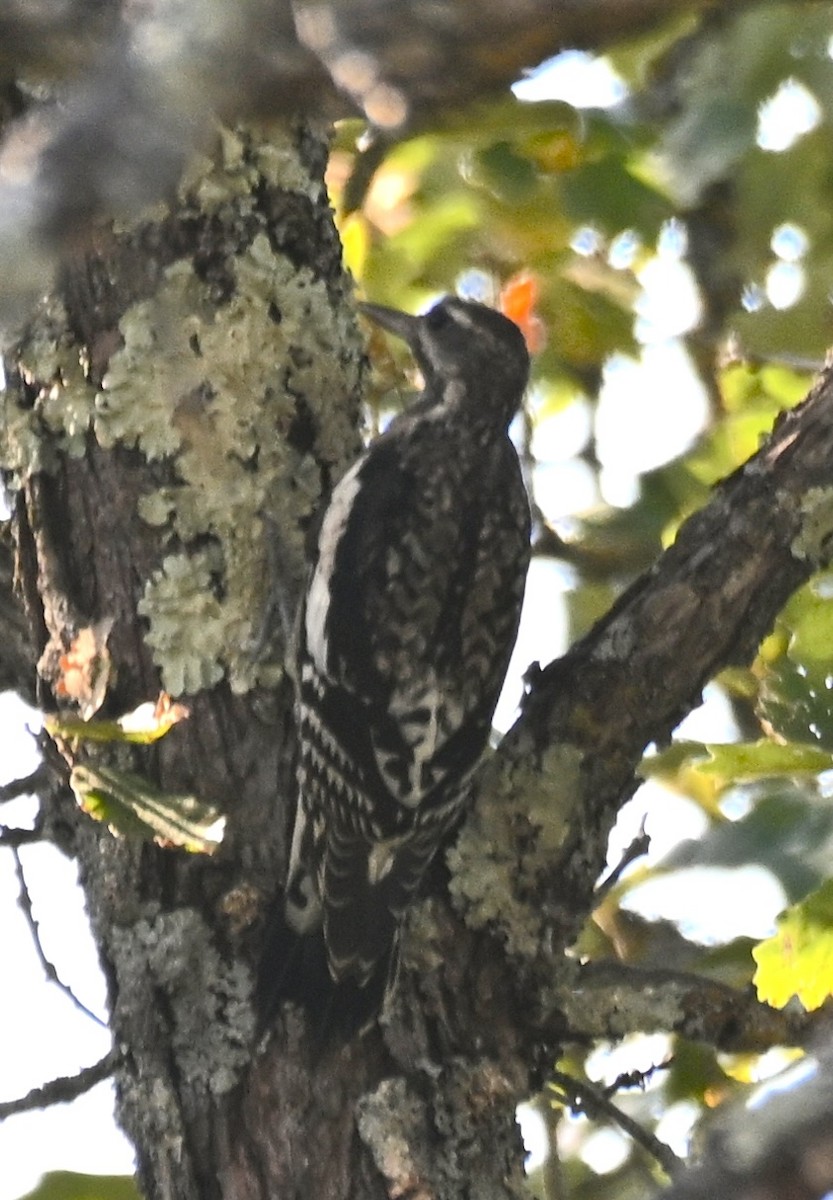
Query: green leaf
[723,78]
[693,1071]
[71,1185]
[796,702]
[504,172]
[584,326]
[145,724]
[735,762]
[798,960]
[788,830]
[810,615]
[428,239]
[754,760]
[132,806]
[639,59]
[609,194]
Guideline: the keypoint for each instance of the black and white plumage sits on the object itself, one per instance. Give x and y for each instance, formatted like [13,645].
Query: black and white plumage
[409,621]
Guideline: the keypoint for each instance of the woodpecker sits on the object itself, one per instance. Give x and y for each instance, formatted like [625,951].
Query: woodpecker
[409,620]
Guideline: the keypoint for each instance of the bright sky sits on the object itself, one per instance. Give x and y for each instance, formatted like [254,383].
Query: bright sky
[42,1035]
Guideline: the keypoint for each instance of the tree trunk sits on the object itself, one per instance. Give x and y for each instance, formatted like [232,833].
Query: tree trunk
[176,412]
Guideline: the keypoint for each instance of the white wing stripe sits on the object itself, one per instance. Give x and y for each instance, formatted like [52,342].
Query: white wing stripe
[320,591]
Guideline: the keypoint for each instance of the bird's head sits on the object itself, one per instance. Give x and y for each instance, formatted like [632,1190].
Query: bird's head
[467,344]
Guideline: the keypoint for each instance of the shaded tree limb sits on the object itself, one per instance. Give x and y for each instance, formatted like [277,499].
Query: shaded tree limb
[776,1146]
[138,90]
[19,837]
[67,40]
[587,719]
[608,1000]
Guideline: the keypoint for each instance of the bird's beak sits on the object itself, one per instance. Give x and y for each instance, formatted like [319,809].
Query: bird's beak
[401,324]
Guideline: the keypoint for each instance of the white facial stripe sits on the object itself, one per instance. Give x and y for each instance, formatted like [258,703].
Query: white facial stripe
[461,316]
[319,595]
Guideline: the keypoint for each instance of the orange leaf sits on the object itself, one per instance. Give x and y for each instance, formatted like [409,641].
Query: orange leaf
[518,297]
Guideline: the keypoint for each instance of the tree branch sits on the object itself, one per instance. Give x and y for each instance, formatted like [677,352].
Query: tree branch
[610,1000]
[25,903]
[527,861]
[34,783]
[776,1146]
[62,1090]
[128,123]
[19,837]
[584,1097]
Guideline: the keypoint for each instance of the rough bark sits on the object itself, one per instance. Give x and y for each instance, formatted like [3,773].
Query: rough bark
[178,405]
[175,408]
[705,605]
[121,494]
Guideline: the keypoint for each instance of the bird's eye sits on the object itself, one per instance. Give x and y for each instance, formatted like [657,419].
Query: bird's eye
[438,318]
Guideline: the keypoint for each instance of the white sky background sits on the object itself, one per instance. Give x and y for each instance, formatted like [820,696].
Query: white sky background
[42,1035]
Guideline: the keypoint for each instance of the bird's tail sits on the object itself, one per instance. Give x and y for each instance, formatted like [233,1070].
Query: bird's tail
[294,969]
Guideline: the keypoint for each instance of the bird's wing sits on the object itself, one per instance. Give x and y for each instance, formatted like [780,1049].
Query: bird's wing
[410,611]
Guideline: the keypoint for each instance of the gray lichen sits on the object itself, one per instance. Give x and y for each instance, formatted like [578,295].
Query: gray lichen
[391,1123]
[815,537]
[239,375]
[188,626]
[212,1017]
[31,436]
[210,383]
[510,839]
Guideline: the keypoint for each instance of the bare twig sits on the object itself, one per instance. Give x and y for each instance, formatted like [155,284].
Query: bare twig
[19,837]
[635,1079]
[592,1101]
[736,352]
[25,902]
[33,782]
[636,849]
[62,1090]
